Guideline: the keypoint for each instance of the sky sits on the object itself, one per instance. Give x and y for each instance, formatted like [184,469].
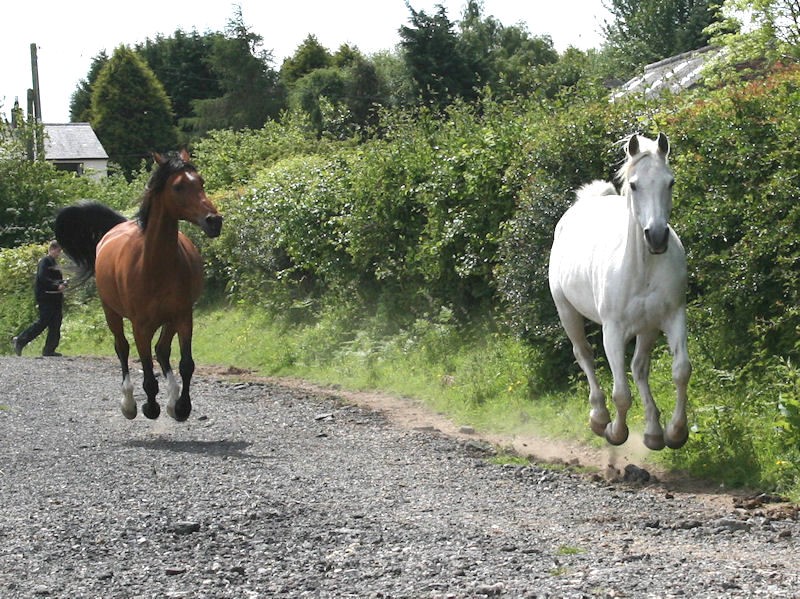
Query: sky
[68,35]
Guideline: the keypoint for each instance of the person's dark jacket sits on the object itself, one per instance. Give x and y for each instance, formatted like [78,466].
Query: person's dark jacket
[48,278]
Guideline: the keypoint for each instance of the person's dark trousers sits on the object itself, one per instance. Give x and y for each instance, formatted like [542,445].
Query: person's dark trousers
[50,315]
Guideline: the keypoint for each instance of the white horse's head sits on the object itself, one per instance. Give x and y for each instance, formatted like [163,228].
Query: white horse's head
[647,182]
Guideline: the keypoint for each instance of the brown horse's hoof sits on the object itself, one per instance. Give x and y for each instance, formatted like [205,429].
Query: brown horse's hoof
[151,409]
[180,410]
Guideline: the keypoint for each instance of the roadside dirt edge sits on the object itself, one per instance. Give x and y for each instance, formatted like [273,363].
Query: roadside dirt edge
[607,464]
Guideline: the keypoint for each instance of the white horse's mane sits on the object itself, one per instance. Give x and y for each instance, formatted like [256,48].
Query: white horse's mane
[596,188]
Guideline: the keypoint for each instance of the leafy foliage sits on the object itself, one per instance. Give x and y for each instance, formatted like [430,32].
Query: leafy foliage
[441,218]
[18,309]
[738,178]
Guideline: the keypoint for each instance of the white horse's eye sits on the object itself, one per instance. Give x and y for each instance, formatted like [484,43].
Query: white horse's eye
[633,186]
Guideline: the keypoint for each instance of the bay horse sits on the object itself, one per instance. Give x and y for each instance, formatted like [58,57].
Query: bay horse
[147,271]
[616,261]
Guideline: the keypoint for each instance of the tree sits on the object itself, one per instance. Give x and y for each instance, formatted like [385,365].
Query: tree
[319,92]
[395,86]
[504,58]
[251,93]
[182,64]
[645,31]
[434,58]
[80,106]
[131,112]
[309,56]
[757,30]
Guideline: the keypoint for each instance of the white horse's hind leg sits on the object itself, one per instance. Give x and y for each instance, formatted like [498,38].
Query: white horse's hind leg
[640,367]
[574,325]
[678,429]
[616,431]
[128,404]
[173,391]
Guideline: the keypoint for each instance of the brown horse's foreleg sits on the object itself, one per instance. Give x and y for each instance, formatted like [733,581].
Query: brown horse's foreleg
[163,352]
[143,337]
[183,407]
[122,348]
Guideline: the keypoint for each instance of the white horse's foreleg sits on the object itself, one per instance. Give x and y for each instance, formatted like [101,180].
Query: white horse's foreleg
[640,367]
[616,431]
[574,325]
[678,428]
[128,404]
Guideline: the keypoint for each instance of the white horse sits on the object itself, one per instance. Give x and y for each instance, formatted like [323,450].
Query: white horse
[616,261]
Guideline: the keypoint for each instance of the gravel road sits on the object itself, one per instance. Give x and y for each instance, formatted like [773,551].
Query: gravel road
[273,491]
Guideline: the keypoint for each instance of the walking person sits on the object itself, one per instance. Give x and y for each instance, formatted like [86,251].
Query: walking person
[49,293]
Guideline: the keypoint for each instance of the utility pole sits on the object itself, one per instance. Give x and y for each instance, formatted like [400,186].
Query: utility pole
[31,154]
[37,100]
[37,103]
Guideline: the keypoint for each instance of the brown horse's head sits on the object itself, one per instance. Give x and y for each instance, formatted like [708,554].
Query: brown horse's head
[176,189]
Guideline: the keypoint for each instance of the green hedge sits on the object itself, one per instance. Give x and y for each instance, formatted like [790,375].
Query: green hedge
[737,169]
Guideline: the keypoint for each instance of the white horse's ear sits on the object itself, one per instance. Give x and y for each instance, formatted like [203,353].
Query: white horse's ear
[633,145]
[663,144]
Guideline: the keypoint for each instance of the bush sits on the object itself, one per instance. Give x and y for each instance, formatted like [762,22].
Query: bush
[738,180]
[17,306]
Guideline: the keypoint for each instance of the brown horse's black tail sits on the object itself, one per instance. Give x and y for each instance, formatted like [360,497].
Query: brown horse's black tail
[78,230]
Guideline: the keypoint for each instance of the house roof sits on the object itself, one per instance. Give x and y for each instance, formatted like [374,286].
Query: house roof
[675,73]
[72,141]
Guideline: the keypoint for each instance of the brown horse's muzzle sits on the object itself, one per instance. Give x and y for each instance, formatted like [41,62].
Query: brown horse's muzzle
[212,225]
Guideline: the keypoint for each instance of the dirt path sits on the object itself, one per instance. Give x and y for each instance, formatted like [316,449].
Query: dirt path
[608,463]
[276,489]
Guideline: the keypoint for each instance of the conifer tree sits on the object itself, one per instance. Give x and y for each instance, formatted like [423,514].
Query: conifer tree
[131,112]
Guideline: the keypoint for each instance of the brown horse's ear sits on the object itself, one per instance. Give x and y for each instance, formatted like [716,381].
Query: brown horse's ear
[185,155]
[158,158]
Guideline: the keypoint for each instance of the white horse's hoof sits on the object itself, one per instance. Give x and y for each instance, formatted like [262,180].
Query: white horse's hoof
[616,439]
[654,442]
[128,413]
[676,438]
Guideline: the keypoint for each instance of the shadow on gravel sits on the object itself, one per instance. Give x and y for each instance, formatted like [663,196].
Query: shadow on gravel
[228,449]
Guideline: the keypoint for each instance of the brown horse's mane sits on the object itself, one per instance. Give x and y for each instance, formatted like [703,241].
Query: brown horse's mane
[173,163]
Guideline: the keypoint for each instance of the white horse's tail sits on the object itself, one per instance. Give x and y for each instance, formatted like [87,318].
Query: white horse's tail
[596,188]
